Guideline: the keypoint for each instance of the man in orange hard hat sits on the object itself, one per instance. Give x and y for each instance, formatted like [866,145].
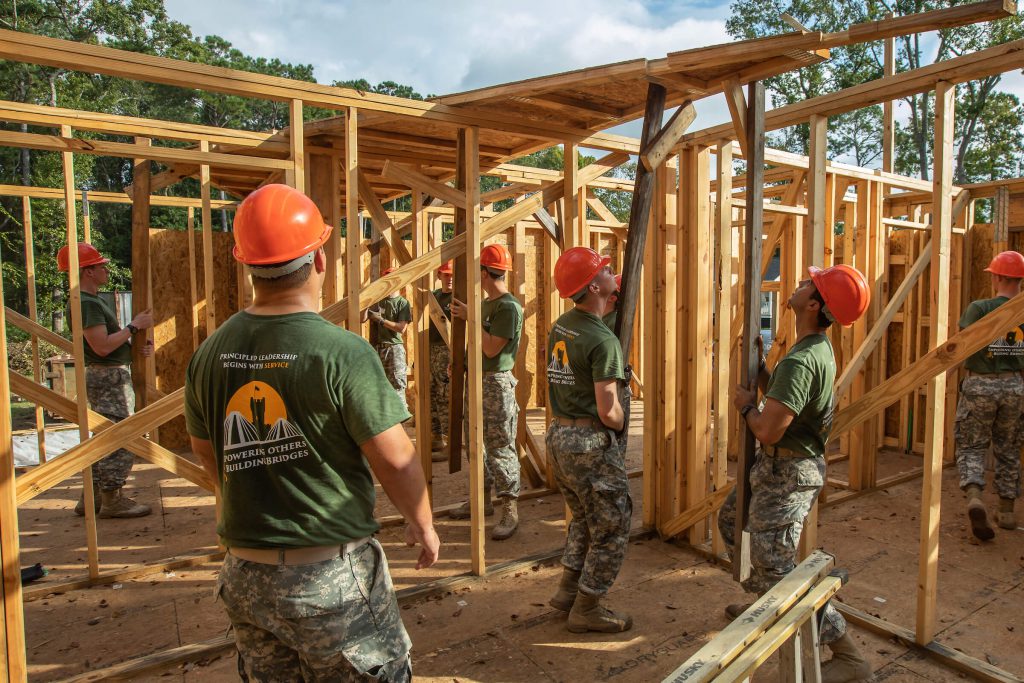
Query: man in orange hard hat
[990,405]
[391,316]
[440,360]
[108,378]
[289,414]
[584,371]
[793,427]
[501,316]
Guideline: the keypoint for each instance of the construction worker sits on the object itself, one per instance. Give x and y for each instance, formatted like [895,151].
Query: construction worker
[391,316]
[789,467]
[990,405]
[501,316]
[108,378]
[610,317]
[611,311]
[440,360]
[584,372]
[289,415]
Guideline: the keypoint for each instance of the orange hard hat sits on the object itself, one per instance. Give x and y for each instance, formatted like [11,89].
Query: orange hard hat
[87,256]
[446,269]
[845,291]
[496,256]
[1007,264]
[275,224]
[575,268]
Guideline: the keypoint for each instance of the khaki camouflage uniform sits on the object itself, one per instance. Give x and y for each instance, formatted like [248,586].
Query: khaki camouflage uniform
[392,357]
[591,474]
[501,416]
[110,393]
[336,620]
[783,489]
[440,360]
[989,412]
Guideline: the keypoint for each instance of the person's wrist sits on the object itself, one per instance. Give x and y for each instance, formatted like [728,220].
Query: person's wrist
[131,328]
[746,409]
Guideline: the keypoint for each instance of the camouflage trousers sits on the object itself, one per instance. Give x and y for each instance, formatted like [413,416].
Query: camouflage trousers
[989,412]
[336,620]
[440,359]
[782,491]
[591,475]
[110,393]
[501,418]
[392,357]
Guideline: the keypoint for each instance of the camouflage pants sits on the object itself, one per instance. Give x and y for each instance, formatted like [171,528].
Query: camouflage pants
[392,357]
[591,475]
[110,393]
[782,493]
[440,359]
[501,417]
[989,412]
[336,620]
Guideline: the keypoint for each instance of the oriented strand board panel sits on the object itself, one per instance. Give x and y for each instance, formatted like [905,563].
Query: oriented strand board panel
[981,255]
[172,309]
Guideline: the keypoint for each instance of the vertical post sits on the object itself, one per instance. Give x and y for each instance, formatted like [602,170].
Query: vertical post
[193,297]
[816,200]
[888,111]
[78,347]
[353,230]
[669,341]
[296,176]
[421,330]
[751,296]
[324,195]
[574,225]
[723,330]
[86,217]
[457,385]
[142,296]
[12,637]
[204,188]
[470,162]
[935,415]
[33,314]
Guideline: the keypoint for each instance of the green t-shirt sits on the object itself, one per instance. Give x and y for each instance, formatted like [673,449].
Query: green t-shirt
[610,318]
[802,381]
[396,309]
[1005,354]
[581,351]
[96,311]
[445,299]
[503,317]
[286,400]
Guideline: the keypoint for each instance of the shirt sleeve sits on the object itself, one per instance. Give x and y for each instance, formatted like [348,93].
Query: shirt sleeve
[404,313]
[505,321]
[195,422]
[971,315]
[791,384]
[606,361]
[369,402]
[92,315]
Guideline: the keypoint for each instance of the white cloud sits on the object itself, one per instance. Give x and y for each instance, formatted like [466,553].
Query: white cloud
[445,47]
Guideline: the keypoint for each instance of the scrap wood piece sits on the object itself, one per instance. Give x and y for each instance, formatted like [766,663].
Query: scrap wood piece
[949,354]
[658,149]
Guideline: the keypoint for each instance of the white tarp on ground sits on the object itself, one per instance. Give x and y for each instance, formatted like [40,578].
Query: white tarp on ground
[26,446]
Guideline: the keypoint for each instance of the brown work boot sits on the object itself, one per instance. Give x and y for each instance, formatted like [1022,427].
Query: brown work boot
[509,520]
[80,505]
[568,587]
[116,504]
[976,512]
[587,614]
[1005,517]
[734,610]
[847,665]
[437,449]
[462,512]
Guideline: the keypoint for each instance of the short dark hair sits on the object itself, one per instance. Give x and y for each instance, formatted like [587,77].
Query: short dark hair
[294,279]
[823,320]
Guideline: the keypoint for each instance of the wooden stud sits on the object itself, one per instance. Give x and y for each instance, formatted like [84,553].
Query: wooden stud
[751,297]
[86,218]
[723,331]
[33,314]
[143,367]
[888,106]
[421,333]
[193,295]
[353,228]
[208,283]
[816,202]
[296,174]
[931,494]
[574,215]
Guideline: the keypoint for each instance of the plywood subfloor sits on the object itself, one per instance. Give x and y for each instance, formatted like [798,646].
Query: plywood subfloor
[500,628]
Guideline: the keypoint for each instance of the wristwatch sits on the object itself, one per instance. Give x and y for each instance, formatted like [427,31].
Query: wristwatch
[131,328]
[746,409]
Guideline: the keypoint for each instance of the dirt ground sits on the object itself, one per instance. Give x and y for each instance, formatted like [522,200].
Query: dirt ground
[500,628]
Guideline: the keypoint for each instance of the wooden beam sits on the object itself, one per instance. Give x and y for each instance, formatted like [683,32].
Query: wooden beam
[938,330]
[888,107]
[30,289]
[723,330]
[353,228]
[816,189]
[708,506]
[34,328]
[754,216]
[733,92]
[210,293]
[668,137]
[142,297]
[295,175]
[881,326]
[424,184]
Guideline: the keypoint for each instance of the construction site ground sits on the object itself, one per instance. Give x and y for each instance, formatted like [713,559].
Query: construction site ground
[501,628]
